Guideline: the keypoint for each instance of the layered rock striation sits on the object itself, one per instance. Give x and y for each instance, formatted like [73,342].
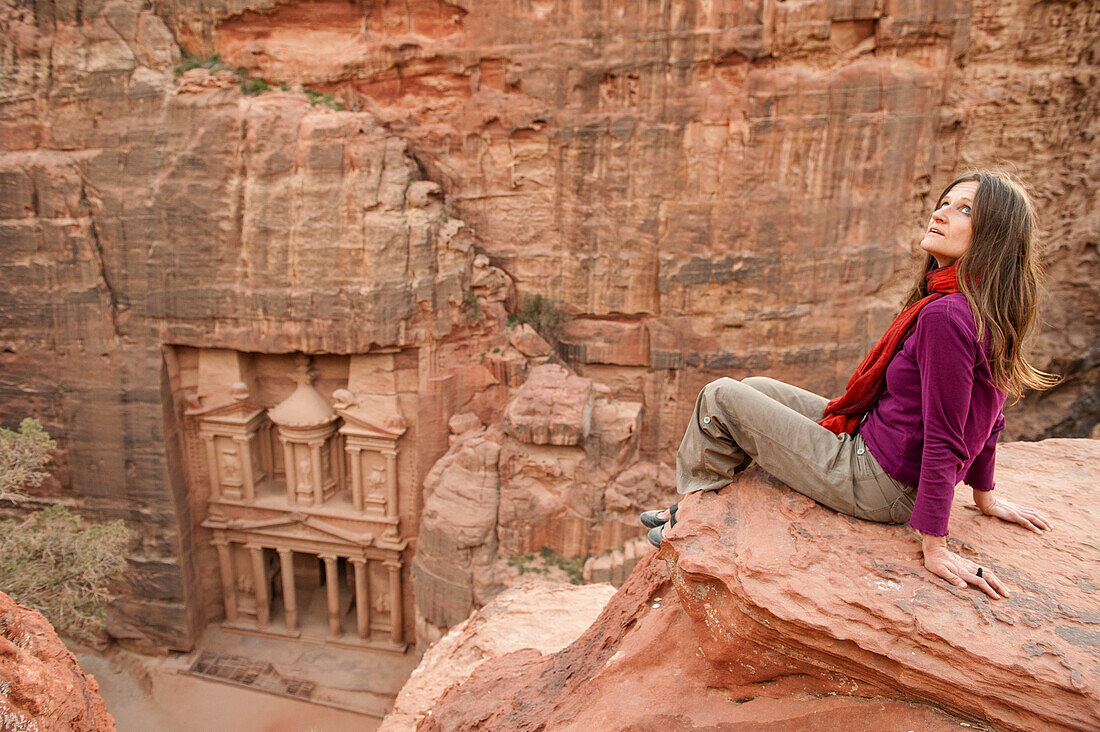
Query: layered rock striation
[764,609]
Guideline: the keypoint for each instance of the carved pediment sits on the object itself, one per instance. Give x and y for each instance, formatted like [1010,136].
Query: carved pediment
[369,415]
[236,412]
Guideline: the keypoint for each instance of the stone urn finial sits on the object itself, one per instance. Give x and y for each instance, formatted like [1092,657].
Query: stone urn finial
[305,407]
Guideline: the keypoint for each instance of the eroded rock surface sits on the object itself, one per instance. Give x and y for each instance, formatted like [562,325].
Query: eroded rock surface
[639,666]
[540,617]
[560,473]
[41,684]
[777,585]
[765,610]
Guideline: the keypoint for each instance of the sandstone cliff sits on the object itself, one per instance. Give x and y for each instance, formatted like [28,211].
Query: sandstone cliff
[710,189]
[41,684]
[765,610]
[559,473]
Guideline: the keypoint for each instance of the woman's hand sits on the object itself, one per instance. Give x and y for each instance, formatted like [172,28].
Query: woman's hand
[1027,517]
[942,562]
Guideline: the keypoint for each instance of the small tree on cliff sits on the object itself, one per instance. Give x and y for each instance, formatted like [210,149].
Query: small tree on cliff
[52,561]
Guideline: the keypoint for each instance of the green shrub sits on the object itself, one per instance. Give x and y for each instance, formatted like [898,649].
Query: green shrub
[541,313]
[328,100]
[473,307]
[54,563]
[23,454]
[546,559]
[210,63]
[252,87]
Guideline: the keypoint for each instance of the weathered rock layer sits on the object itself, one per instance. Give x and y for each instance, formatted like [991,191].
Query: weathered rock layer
[769,609]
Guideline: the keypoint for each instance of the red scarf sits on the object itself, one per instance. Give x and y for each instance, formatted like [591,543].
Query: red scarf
[843,414]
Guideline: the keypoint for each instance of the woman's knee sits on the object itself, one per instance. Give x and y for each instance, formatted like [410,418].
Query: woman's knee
[760,383]
[713,391]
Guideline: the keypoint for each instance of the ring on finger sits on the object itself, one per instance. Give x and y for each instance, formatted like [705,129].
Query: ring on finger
[979,572]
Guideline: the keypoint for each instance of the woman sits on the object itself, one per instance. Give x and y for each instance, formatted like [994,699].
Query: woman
[924,408]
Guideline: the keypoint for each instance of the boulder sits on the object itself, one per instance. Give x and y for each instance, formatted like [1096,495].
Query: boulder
[777,585]
[528,342]
[41,684]
[638,666]
[452,567]
[764,610]
[553,407]
[539,616]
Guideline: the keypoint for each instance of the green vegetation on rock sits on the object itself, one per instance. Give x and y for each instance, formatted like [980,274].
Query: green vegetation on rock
[543,314]
[52,560]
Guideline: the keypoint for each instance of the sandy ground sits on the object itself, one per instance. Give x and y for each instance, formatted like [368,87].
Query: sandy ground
[145,694]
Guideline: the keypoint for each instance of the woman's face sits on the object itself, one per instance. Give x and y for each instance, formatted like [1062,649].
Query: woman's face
[950,230]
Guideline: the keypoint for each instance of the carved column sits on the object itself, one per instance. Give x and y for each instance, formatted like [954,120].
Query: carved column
[290,595]
[362,597]
[288,468]
[332,589]
[259,579]
[335,454]
[318,484]
[356,478]
[212,466]
[397,620]
[229,581]
[391,485]
[245,452]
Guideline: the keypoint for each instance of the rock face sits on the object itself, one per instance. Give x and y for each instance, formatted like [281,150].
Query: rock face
[542,617]
[769,609]
[41,684]
[560,473]
[712,189]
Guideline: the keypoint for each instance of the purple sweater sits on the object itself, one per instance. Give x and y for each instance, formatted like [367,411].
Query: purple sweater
[938,421]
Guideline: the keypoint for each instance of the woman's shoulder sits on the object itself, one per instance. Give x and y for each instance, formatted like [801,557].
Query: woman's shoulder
[947,319]
[949,310]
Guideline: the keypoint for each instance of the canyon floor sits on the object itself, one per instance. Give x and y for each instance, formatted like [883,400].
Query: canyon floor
[163,693]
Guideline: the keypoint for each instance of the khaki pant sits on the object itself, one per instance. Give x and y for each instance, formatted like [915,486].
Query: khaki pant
[775,424]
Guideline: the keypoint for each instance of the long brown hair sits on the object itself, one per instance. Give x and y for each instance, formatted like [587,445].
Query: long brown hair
[1000,276]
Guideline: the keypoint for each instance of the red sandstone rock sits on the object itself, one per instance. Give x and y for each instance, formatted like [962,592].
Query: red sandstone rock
[41,684]
[772,612]
[639,667]
[453,566]
[777,586]
[460,424]
[493,498]
[605,341]
[525,340]
[542,617]
[553,407]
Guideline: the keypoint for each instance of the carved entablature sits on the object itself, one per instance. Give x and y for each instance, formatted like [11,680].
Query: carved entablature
[294,556]
[311,451]
[372,426]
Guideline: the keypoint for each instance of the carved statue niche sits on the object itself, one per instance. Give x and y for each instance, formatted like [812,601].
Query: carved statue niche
[237,445]
[371,429]
[307,431]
